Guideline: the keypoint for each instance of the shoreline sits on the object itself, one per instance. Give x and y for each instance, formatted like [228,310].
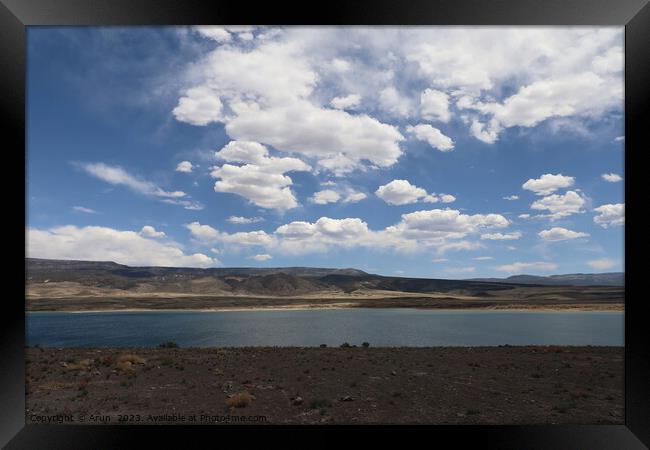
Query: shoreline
[321,308]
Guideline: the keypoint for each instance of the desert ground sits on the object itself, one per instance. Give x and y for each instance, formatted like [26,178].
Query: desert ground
[593,298]
[479,385]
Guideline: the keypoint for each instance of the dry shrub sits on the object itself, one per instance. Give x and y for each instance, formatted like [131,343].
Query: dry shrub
[240,400]
[133,359]
[55,386]
[125,367]
[82,365]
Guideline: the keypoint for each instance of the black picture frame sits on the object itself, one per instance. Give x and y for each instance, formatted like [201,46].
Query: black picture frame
[15,15]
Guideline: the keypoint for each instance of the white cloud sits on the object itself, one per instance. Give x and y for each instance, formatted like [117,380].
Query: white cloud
[348,102]
[207,235]
[203,233]
[150,232]
[402,192]
[441,230]
[501,236]
[218,34]
[483,258]
[519,267]
[325,196]
[485,132]
[94,243]
[548,183]
[261,179]
[561,234]
[261,257]
[265,91]
[611,177]
[511,197]
[277,90]
[610,215]
[619,139]
[184,166]
[601,264]
[394,103]
[560,206]
[353,196]
[433,136]
[563,96]
[199,106]
[117,176]
[239,220]
[83,209]
[434,105]
[524,216]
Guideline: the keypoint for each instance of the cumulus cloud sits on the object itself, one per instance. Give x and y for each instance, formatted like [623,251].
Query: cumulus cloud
[394,103]
[501,236]
[511,197]
[117,176]
[348,102]
[433,136]
[402,192]
[519,267]
[560,234]
[325,196]
[610,215]
[94,243]
[548,183]
[239,220]
[208,235]
[560,206]
[601,264]
[611,177]
[260,179]
[278,90]
[440,230]
[184,166]
[150,232]
[434,105]
[262,94]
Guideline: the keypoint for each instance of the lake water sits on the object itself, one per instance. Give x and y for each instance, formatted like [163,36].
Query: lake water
[379,327]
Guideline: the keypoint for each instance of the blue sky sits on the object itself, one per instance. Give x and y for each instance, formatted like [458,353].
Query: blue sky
[418,151]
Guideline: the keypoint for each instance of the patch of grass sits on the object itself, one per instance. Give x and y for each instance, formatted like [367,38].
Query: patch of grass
[472,412]
[169,344]
[345,345]
[240,400]
[536,375]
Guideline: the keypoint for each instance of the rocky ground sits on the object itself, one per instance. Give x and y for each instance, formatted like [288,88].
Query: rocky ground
[479,385]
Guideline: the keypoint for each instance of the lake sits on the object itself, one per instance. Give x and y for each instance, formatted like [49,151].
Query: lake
[379,327]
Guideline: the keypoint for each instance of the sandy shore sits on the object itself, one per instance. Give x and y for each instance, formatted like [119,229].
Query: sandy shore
[613,308]
[479,385]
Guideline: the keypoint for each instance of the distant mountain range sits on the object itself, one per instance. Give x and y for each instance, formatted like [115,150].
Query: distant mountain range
[571,279]
[64,278]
